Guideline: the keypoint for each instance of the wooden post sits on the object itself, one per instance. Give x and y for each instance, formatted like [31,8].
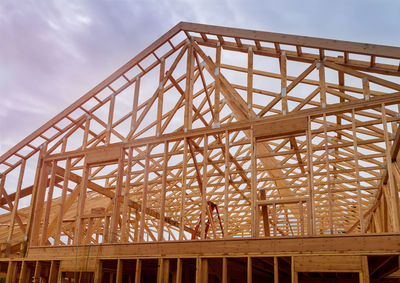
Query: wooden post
[250,81]
[391,183]
[328,176]
[63,197]
[203,190]
[106,231]
[224,270]
[276,270]
[301,218]
[11,271]
[160,97]
[138,271]
[283,83]
[322,83]
[86,132]
[98,273]
[125,208]
[48,203]
[183,191]
[178,270]
[117,198]
[120,266]
[54,266]
[226,191]
[163,191]
[254,205]
[188,119]
[110,119]
[357,172]
[198,270]
[144,196]
[311,229]
[364,274]
[249,270]
[135,103]
[23,273]
[38,210]
[36,276]
[217,90]
[293,271]
[165,271]
[274,218]
[204,270]
[81,206]
[160,270]
[34,200]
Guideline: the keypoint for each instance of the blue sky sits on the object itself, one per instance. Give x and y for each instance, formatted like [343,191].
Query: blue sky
[52,52]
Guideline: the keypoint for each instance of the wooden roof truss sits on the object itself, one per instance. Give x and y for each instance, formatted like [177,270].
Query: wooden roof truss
[287,135]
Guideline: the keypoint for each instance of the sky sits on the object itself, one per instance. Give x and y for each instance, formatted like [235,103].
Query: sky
[53,52]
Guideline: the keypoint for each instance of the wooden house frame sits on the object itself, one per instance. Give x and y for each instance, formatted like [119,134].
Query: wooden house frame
[216,154]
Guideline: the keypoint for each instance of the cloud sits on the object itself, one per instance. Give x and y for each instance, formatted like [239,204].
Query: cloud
[52,52]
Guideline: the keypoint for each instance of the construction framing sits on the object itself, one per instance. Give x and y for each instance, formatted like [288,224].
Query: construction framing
[216,154]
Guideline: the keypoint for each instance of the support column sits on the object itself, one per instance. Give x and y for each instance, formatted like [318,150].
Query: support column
[54,267]
[188,119]
[294,272]
[391,183]
[144,197]
[254,204]
[36,275]
[81,206]
[117,198]
[11,271]
[120,267]
[98,273]
[138,271]
[249,270]
[179,270]
[276,270]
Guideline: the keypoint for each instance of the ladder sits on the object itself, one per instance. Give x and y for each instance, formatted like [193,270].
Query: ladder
[210,210]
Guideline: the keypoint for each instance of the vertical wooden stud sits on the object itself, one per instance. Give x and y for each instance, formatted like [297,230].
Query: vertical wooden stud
[283,83]
[203,191]
[254,204]
[144,197]
[117,197]
[310,179]
[276,270]
[391,183]
[224,270]
[81,206]
[125,208]
[357,172]
[120,266]
[249,270]
[328,176]
[226,191]
[160,97]
[135,103]
[63,197]
[138,271]
[178,270]
[250,80]
[183,191]
[48,203]
[163,192]
[189,89]
[98,273]
[217,90]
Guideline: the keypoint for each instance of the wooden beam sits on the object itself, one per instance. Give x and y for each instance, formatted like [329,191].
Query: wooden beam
[305,41]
